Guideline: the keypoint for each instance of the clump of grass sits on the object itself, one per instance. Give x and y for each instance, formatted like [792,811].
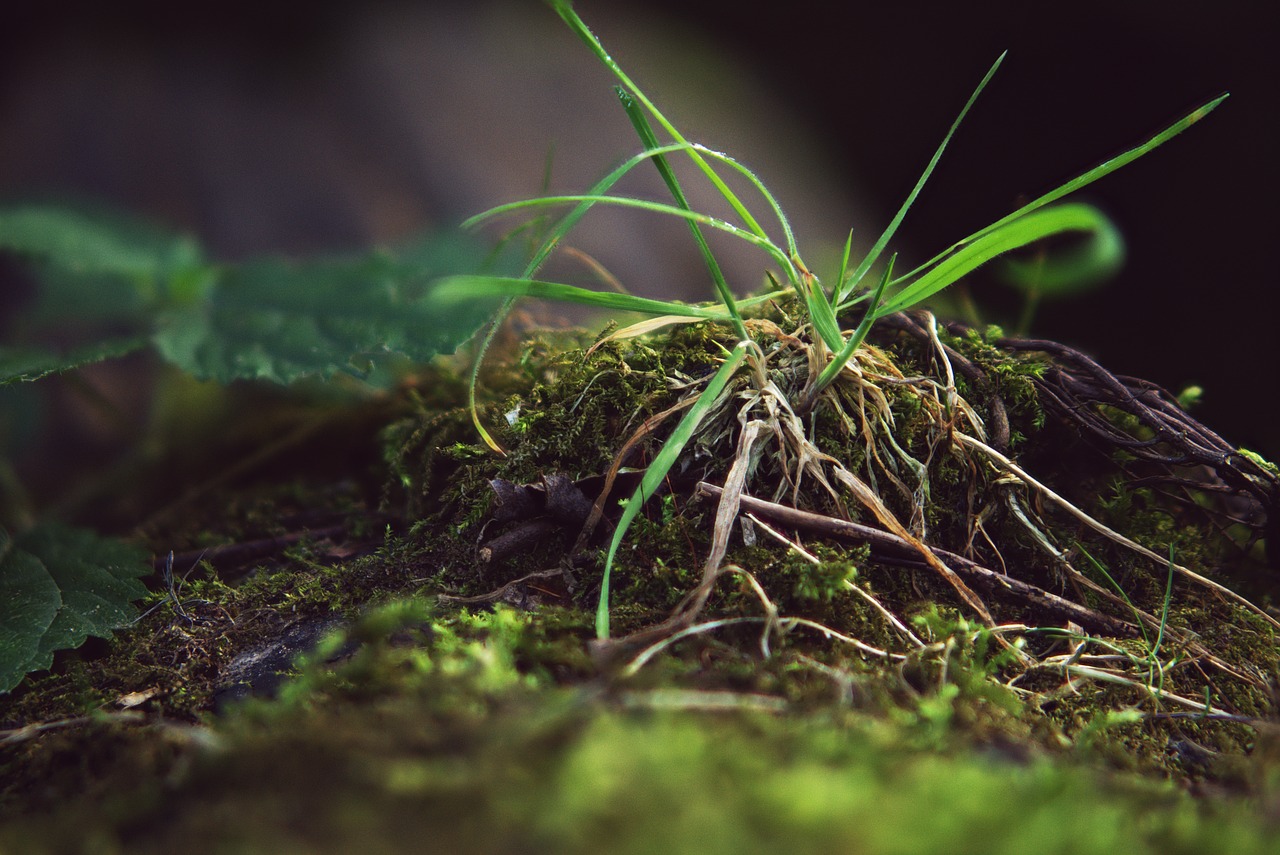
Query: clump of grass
[833,364]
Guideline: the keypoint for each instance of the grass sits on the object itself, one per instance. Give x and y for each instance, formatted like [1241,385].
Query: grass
[819,303]
[755,682]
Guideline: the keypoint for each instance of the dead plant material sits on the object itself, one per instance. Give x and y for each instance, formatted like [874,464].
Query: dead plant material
[891,548]
[1172,450]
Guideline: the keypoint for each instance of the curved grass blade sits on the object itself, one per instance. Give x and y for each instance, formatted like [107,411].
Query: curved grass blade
[1012,235]
[561,229]
[463,288]
[539,257]
[570,17]
[661,465]
[659,208]
[1071,271]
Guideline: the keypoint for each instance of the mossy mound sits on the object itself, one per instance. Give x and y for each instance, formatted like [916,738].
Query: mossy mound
[827,692]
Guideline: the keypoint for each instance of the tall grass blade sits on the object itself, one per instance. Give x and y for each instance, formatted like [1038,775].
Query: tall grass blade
[570,17]
[1102,169]
[650,141]
[661,465]
[843,288]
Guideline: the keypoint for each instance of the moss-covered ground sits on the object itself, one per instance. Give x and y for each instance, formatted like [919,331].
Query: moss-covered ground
[828,697]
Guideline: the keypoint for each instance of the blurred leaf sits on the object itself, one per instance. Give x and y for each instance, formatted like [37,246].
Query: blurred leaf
[281,320]
[100,265]
[92,243]
[1073,270]
[24,364]
[59,585]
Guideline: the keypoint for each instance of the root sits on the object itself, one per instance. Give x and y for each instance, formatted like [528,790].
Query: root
[774,451]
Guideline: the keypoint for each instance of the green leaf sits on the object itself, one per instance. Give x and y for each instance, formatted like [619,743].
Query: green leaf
[59,585]
[29,601]
[844,288]
[24,365]
[281,320]
[94,243]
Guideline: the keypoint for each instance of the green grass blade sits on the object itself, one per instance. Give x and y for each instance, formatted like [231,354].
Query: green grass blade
[571,219]
[656,207]
[1164,608]
[821,312]
[661,465]
[1110,166]
[570,17]
[1072,271]
[464,288]
[1137,615]
[650,141]
[844,287]
[1103,169]
[1012,235]
[788,234]
[844,260]
[855,341]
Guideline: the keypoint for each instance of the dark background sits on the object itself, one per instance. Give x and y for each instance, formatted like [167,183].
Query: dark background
[1196,302]
[876,85]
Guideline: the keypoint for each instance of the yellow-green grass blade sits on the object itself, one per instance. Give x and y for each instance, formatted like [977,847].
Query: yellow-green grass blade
[821,312]
[833,368]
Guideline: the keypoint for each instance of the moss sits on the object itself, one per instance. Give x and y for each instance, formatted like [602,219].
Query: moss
[435,732]
[440,723]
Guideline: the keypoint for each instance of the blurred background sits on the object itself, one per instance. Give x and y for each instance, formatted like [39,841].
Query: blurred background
[283,128]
